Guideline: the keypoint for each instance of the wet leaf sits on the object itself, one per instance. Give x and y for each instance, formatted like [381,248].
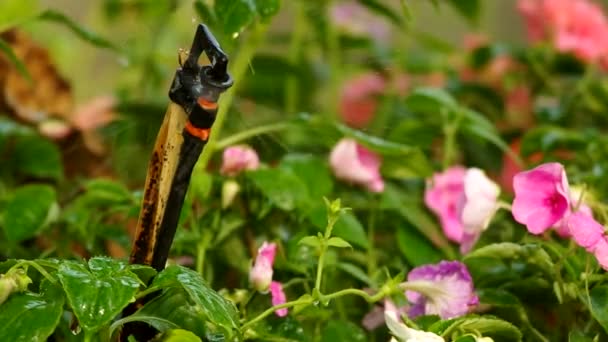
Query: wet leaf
[340,330]
[235,15]
[267,8]
[97,294]
[216,308]
[30,316]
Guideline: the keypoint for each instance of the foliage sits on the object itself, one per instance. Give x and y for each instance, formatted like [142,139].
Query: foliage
[305,80]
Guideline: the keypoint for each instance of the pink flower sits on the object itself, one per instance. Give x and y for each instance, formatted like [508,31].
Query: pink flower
[261,272]
[239,158]
[601,253]
[445,196]
[354,163]
[465,201]
[542,197]
[444,289]
[585,231]
[278,297]
[355,19]
[359,99]
[576,26]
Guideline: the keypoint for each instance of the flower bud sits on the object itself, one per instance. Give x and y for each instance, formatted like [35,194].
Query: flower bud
[260,275]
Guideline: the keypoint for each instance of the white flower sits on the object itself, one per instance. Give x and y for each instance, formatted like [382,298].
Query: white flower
[403,333]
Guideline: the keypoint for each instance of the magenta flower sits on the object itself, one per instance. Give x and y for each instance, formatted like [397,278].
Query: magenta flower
[542,197]
[354,163]
[239,158]
[278,297]
[260,275]
[585,231]
[359,98]
[465,201]
[575,26]
[601,253]
[444,289]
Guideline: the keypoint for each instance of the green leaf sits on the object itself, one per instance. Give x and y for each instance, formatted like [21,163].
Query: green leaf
[216,308]
[15,12]
[179,335]
[8,51]
[495,328]
[377,144]
[145,273]
[313,172]
[530,253]
[205,12]
[599,305]
[477,125]
[356,272]
[98,294]
[347,227]
[338,242]
[284,189]
[235,15]
[470,9]
[416,249]
[284,329]
[411,209]
[425,99]
[30,316]
[107,192]
[466,338]
[498,297]
[312,241]
[548,138]
[37,157]
[81,32]
[267,8]
[341,330]
[578,336]
[172,309]
[30,208]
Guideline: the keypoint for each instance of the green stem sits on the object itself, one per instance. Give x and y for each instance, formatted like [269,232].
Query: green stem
[504,205]
[333,56]
[371,230]
[368,298]
[244,135]
[201,251]
[310,300]
[238,70]
[269,311]
[35,265]
[320,266]
[142,294]
[449,143]
[291,89]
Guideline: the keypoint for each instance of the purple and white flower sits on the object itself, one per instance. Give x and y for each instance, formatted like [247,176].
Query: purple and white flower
[444,289]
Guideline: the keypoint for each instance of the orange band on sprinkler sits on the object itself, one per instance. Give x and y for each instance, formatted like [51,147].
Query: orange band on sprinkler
[201,133]
[207,105]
